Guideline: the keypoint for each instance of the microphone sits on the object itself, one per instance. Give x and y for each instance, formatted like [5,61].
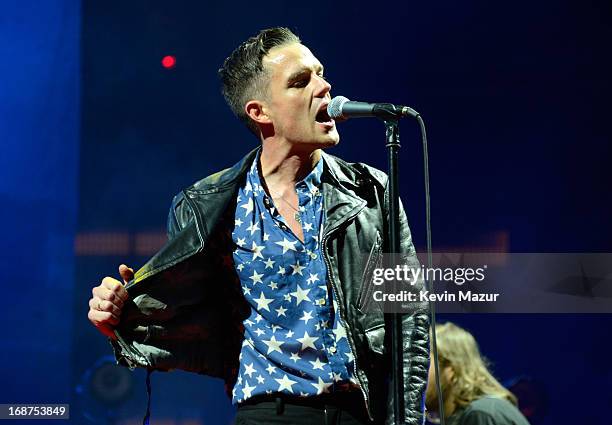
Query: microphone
[341,107]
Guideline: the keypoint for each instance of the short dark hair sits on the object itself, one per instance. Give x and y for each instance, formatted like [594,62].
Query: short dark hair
[242,74]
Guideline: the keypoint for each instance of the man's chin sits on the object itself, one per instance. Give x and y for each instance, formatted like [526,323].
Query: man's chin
[327,141]
[332,138]
[333,142]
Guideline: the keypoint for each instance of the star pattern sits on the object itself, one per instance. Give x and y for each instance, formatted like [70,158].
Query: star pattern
[287,245]
[306,317]
[248,207]
[281,311]
[263,302]
[312,279]
[273,345]
[256,277]
[297,268]
[249,370]
[285,384]
[291,327]
[257,250]
[300,295]
[340,333]
[317,364]
[307,341]
[321,386]
[246,389]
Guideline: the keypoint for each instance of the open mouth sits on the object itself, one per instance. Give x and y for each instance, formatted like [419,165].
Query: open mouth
[323,117]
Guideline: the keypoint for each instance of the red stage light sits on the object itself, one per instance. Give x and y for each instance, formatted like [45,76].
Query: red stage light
[168,61]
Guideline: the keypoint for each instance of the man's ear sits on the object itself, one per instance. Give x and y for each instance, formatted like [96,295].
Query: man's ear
[257,111]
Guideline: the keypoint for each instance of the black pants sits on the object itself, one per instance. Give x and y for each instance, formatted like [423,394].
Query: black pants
[330,409]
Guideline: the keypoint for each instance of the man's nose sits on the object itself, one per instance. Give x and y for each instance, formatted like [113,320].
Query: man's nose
[324,86]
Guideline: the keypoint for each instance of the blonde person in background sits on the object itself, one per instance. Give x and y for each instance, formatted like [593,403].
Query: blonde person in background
[472,395]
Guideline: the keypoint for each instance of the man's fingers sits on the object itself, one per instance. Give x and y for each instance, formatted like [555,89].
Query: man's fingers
[104,305]
[93,303]
[126,273]
[107,300]
[102,293]
[104,322]
[115,287]
[102,318]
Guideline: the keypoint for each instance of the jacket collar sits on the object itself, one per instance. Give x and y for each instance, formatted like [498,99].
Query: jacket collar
[340,180]
[339,185]
[339,171]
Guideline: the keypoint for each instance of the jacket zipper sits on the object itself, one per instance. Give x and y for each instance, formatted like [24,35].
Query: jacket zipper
[372,259]
[349,334]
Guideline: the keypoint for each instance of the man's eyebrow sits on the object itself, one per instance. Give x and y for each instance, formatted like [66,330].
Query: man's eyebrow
[301,71]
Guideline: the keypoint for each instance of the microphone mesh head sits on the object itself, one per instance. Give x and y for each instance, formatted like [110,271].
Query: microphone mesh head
[334,109]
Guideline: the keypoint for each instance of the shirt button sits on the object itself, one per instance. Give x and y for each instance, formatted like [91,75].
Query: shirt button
[321,301]
[313,256]
[332,350]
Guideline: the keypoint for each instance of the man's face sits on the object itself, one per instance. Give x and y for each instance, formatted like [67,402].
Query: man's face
[298,96]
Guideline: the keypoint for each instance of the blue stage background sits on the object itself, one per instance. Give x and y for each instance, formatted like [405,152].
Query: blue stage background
[40,86]
[97,137]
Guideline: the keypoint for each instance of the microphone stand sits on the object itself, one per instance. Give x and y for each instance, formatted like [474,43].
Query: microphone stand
[395,319]
[390,114]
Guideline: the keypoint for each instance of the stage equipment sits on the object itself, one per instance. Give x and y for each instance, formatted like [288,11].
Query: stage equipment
[341,107]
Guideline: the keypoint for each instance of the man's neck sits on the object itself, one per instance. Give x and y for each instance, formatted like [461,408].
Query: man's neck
[283,166]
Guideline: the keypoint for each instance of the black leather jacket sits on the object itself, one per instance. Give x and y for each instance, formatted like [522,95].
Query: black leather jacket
[187,308]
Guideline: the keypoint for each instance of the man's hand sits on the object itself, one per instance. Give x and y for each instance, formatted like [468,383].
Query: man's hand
[107,301]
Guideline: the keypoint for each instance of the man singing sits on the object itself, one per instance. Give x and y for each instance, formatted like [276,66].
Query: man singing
[260,281]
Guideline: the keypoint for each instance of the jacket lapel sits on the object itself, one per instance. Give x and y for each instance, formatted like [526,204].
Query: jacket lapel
[341,203]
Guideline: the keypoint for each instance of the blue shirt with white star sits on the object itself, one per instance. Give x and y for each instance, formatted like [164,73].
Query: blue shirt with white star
[294,340]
